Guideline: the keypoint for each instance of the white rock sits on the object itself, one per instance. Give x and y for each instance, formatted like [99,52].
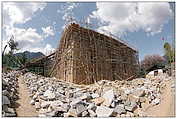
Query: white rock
[49,94]
[75,101]
[5,108]
[156,101]
[103,111]
[5,93]
[113,104]
[5,100]
[91,105]
[108,96]
[92,113]
[35,97]
[37,105]
[11,110]
[41,115]
[95,95]
[56,103]
[32,102]
[45,104]
[173,86]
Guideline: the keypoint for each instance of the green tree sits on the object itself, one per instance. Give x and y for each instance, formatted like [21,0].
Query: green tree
[9,60]
[169,52]
[23,59]
[13,45]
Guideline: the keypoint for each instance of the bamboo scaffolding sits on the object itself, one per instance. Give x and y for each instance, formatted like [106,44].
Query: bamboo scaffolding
[85,56]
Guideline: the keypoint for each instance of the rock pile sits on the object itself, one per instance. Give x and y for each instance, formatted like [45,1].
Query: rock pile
[55,98]
[9,93]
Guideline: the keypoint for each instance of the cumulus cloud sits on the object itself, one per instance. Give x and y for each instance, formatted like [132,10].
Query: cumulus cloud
[28,39]
[48,49]
[48,31]
[67,11]
[19,12]
[130,17]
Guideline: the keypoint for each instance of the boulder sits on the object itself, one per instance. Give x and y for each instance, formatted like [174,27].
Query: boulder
[35,97]
[65,107]
[50,114]
[123,115]
[113,104]
[37,105]
[92,113]
[44,111]
[142,99]
[11,110]
[132,107]
[95,95]
[75,101]
[85,114]
[98,100]
[5,100]
[103,111]
[133,98]
[130,114]
[139,93]
[5,108]
[156,101]
[119,109]
[45,104]
[49,95]
[10,115]
[56,103]
[83,97]
[5,93]
[72,112]
[91,106]
[108,96]
[80,108]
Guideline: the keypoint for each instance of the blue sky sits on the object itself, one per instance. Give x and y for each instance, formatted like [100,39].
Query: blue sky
[38,26]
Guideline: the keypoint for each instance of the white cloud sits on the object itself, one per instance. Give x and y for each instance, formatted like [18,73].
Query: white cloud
[48,49]
[130,17]
[68,14]
[18,12]
[28,39]
[45,49]
[48,31]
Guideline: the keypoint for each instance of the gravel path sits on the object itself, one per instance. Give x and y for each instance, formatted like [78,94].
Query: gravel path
[167,106]
[24,109]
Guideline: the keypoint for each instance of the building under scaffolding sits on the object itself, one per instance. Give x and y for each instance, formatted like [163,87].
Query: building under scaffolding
[85,56]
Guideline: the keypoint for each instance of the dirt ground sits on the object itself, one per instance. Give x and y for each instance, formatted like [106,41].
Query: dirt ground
[166,108]
[24,109]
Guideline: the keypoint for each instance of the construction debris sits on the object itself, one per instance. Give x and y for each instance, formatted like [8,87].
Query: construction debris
[105,98]
[9,93]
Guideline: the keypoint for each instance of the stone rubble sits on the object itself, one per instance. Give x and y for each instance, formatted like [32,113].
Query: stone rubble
[56,98]
[9,93]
